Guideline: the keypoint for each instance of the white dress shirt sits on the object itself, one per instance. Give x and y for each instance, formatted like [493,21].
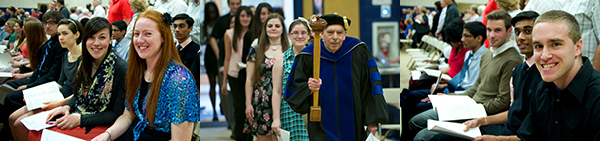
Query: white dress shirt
[99,12]
[196,11]
[172,7]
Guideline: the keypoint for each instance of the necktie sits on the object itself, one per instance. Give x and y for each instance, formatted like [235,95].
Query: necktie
[453,84]
[525,68]
[43,59]
[178,47]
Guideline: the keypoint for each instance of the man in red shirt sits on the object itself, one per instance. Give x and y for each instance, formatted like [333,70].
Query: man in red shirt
[119,10]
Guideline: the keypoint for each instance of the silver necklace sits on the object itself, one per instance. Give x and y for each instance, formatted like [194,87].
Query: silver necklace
[275,49]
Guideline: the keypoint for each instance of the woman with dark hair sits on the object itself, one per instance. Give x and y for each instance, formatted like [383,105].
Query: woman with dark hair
[259,87]
[161,96]
[42,11]
[251,37]
[262,11]
[233,55]
[283,115]
[211,13]
[98,87]
[69,36]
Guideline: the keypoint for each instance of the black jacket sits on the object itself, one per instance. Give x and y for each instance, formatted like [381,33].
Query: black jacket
[50,64]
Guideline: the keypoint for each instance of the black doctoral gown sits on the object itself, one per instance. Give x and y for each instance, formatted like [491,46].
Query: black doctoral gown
[351,95]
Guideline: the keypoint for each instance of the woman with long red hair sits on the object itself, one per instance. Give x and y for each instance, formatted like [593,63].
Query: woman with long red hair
[161,96]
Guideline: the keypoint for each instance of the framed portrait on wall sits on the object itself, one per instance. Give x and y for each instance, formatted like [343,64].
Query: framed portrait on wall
[385,37]
[318,7]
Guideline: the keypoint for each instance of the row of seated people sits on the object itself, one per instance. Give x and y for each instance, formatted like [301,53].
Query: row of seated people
[544,96]
[155,97]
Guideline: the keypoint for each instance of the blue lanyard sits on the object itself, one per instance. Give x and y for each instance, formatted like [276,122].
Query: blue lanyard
[43,59]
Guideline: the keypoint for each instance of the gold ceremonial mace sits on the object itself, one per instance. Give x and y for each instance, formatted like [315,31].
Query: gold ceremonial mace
[318,25]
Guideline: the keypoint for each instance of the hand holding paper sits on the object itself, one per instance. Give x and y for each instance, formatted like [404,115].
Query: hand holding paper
[472,124]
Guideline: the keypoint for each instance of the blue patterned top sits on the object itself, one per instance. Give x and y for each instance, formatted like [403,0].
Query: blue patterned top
[288,61]
[178,102]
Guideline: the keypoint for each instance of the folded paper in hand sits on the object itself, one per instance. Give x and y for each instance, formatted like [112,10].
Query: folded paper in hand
[454,129]
[285,135]
[436,73]
[37,122]
[36,96]
[456,107]
[371,137]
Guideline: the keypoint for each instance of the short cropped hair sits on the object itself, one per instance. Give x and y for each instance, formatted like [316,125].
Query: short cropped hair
[188,20]
[525,15]
[500,15]
[53,15]
[121,25]
[573,30]
[477,29]
[453,31]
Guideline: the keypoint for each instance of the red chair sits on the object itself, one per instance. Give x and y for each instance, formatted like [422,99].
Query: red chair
[75,132]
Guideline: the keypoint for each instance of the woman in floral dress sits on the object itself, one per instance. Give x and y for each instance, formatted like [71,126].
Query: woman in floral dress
[259,89]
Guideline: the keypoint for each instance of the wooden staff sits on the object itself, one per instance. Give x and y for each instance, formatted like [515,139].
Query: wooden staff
[317,24]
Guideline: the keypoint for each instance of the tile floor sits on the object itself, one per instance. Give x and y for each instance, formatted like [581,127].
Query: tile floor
[222,133]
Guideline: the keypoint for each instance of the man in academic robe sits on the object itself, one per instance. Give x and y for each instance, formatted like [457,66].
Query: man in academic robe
[351,97]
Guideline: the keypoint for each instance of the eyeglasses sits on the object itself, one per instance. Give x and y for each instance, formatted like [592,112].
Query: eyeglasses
[51,23]
[299,33]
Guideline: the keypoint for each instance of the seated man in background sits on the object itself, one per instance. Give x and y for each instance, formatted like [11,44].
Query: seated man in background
[525,78]
[492,88]
[417,101]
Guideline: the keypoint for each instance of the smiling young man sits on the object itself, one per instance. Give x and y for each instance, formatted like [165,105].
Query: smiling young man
[189,51]
[564,106]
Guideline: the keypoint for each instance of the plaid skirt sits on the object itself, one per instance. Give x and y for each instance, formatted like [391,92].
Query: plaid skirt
[293,122]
